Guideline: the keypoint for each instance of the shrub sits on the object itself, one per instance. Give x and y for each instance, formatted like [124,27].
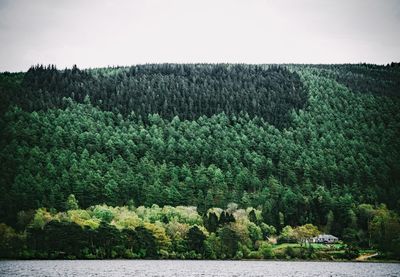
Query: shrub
[266,251]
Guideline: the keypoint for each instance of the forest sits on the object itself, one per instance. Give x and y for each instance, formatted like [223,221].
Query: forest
[199,161]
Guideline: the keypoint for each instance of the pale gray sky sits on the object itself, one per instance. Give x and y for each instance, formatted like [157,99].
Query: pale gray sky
[94,33]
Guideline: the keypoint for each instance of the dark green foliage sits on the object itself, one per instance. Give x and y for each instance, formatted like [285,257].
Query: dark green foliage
[290,252]
[229,241]
[11,243]
[211,222]
[366,78]
[351,253]
[147,243]
[58,239]
[10,87]
[105,237]
[131,240]
[225,218]
[187,91]
[252,216]
[69,240]
[196,239]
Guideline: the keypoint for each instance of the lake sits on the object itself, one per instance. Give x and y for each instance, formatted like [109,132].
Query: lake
[193,268]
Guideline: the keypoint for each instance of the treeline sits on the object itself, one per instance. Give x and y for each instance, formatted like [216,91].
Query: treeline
[182,233]
[365,78]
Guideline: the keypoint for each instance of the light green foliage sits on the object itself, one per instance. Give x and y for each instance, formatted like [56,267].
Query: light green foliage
[42,216]
[287,234]
[128,235]
[176,230]
[180,214]
[126,219]
[183,214]
[83,218]
[267,230]
[266,250]
[242,231]
[305,232]
[72,203]
[255,232]
[241,215]
[212,247]
[104,213]
[158,231]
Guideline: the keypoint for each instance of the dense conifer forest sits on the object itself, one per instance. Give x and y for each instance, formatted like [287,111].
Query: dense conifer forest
[198,160]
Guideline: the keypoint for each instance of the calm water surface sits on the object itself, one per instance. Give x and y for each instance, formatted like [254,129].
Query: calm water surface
[194,268]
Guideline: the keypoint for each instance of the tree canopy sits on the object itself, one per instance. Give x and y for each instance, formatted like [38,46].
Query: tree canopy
[302,144]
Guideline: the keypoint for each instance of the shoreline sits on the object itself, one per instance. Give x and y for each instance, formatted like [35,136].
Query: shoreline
[226,260]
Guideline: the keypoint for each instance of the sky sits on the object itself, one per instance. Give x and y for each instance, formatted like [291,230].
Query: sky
[98,33]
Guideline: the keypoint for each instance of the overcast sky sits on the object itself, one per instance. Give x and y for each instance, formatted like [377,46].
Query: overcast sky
[93,33]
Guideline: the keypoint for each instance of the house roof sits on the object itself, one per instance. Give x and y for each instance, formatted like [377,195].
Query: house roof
[326,236]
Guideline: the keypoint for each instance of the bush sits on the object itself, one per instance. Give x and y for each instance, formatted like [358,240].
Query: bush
[267,230]
[103,213]
[287,235]
[290,252]
[266,251]
[255,255]
[163,254]
[239,255]
[351,253]
[245,251]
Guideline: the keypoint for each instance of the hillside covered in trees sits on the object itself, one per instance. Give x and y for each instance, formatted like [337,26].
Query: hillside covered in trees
[295,144]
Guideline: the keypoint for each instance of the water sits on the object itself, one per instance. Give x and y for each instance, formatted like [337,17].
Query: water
[194,268]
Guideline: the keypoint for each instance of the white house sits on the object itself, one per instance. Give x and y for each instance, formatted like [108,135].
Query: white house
[325,238]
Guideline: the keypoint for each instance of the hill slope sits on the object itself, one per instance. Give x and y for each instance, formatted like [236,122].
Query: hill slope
[301,142]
